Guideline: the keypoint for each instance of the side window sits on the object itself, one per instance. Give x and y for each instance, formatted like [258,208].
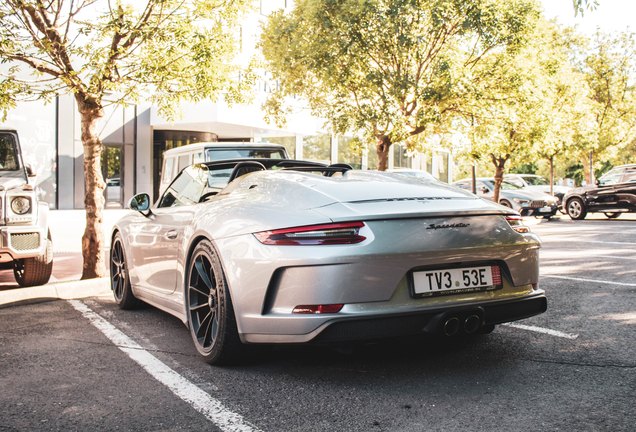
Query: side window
[612,177]
[187,188]
[515,181]
[463,185]
[629,176]
[184,161]
[198,157]
[168,166]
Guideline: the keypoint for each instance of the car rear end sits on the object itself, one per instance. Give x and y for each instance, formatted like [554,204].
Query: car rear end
[440,262]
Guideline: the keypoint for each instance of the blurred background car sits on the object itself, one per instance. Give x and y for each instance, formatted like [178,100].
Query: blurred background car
[613,194]
[538,184]
[526,202]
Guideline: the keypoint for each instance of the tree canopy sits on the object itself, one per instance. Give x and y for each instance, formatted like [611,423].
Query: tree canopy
[387,70]
[103,52]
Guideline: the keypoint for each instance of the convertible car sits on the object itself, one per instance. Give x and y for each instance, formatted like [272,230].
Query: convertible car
[249,252]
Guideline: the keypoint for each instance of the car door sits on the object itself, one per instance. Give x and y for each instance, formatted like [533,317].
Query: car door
[483,191]
[626,190]
[159,241]
[604,196]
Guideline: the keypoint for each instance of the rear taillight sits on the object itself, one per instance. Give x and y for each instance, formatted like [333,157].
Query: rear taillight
[516,223]
[317,309]
[329,234]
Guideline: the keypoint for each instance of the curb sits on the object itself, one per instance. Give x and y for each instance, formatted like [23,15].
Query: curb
[56,291]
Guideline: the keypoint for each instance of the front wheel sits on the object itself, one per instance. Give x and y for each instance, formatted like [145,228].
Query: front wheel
[613,215]
[505,203]
[576,209]
[119,280]
[209,308]
[37,270]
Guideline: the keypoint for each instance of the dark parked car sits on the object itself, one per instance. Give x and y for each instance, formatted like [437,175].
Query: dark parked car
[613,194]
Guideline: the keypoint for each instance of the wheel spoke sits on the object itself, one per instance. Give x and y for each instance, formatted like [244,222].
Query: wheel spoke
[203,274]
[204,325]
[193,288]
[194,308]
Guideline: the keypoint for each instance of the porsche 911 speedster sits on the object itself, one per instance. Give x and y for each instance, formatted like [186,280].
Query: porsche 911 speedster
[249,252]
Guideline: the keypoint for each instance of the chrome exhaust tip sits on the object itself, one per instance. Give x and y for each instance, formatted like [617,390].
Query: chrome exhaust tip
[471,324]
[451,326]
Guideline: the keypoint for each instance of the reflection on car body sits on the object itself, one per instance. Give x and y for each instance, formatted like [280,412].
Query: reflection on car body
[300,252]
[613,194]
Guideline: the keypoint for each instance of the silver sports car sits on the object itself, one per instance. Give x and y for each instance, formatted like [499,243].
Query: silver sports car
[277,251]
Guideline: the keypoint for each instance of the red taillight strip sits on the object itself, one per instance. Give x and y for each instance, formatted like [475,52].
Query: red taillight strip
[516,223]
[327,234]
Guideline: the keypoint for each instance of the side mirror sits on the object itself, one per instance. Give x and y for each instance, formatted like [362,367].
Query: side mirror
[598,183]
[29,171]
[140,203]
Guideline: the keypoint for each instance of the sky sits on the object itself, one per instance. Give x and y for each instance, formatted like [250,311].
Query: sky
[610,15]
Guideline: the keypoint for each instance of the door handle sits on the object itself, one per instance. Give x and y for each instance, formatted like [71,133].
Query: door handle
[172,234]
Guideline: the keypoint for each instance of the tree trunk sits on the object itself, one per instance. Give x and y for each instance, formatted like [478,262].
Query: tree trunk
[91,113]
[384,144]
[551,175]
[500,163]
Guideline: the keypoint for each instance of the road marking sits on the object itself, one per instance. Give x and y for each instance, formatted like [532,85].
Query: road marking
[211,408]
[542,330]
[589,280]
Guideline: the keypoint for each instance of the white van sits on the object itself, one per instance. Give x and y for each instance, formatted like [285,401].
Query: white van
[174,160]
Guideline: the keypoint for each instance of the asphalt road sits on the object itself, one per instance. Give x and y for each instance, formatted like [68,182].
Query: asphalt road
[572,368]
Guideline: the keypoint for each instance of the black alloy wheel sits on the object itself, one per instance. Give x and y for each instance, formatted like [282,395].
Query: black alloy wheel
[576,209]
[119,280]
[613,215]
[209,308]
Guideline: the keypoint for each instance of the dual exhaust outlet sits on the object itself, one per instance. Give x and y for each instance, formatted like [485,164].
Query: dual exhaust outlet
[452,325]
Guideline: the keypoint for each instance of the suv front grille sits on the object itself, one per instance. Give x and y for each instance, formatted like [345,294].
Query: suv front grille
[537,204]
[25,241]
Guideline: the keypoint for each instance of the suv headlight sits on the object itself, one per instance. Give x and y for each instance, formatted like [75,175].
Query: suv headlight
[522,202]
[20,205]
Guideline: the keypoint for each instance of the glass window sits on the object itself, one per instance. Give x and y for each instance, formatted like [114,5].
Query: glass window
[372,157]
[8,154]
[515,181]
[629,176]
[611,177]
[167,170]
[184,161]
[348,155]
[288,142]
[187,188]
[317,148]
[221,154]
[536,181]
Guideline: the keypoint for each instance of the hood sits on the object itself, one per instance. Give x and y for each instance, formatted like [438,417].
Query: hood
[525,194]
[11,180]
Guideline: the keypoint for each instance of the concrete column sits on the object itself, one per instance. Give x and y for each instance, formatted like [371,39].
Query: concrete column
[66,153]
[334,148]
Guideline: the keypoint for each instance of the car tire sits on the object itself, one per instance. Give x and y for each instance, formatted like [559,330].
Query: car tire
[576,209]
[613,215]
[35,271]
[505,203]
[119,278]
[209,308]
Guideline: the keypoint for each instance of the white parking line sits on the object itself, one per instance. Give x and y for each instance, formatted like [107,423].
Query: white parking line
[589,280]
[211,408]
[542,330]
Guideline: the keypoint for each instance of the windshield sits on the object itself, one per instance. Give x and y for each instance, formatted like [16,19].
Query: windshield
[505,185]
[8,154]
[610,178]
[536,181]
[220,154]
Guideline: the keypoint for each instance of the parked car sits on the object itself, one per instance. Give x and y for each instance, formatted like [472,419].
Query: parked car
[176,159]
[526,202]
[613,194]
[538,184]
[266,251]
[25,239]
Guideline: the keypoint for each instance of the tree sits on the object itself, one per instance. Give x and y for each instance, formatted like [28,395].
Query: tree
[610,71]
[105,53]
[386,69]
[581,5]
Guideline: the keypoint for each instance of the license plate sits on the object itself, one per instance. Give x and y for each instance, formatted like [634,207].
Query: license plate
[545,209]
[432,282]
